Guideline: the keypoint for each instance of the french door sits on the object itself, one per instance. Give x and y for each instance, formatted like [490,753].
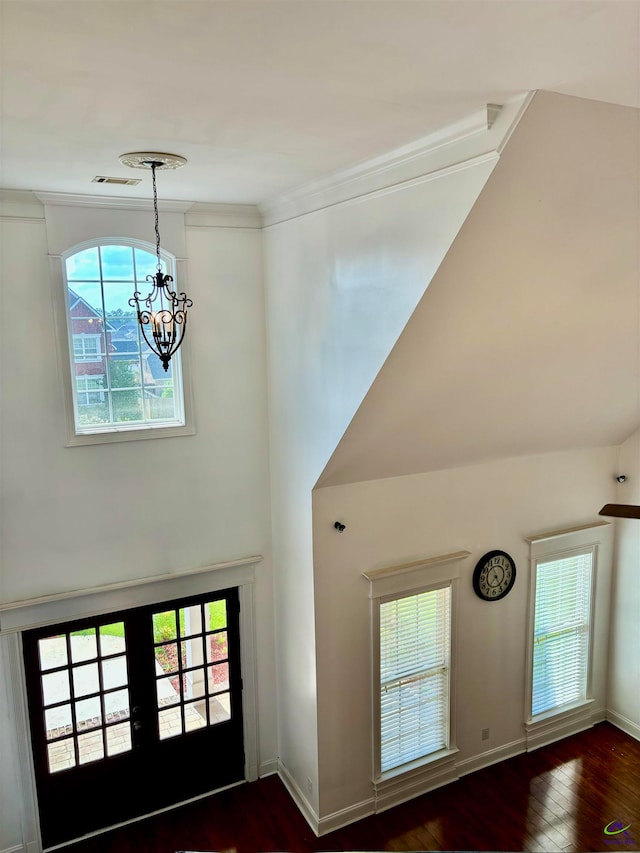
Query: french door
[134,711]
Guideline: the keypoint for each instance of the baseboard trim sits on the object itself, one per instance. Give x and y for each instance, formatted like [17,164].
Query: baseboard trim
[268,768]
[554,729]
[624,724]
[406,787]
[491,756]
[299,798]
[346,816]
[29,847]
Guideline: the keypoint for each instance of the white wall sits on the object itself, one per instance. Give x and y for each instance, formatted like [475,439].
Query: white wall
[83,516]
[341,283]
[624,663]
[397,520]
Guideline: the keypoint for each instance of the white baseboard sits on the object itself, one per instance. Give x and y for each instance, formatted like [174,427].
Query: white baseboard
[30,847]
[556,728]
[268,768]
[346,816]
[393,792]
[299,798]
[623,723]
[491,756]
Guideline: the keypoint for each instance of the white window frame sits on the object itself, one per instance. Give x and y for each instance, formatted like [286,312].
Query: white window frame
[437,768]
[571,717]
[120,432]
[86,357]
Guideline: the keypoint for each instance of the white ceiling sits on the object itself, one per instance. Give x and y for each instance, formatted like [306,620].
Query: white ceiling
[264,96]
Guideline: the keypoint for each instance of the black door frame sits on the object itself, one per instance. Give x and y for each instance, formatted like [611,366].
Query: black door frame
[171,748]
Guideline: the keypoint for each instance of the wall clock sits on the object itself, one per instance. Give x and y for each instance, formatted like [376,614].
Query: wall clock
[494,575]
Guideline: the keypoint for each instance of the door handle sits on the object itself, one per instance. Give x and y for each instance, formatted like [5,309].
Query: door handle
[137,726]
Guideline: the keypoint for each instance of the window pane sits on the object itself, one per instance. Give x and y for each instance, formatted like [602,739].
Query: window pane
[55,687]
[169,723]
[112,638]
[84,266]
[85,679]
[117,263]
[114,672]
[58,721]
[164,626]
[220,708]
[216,614]
[195,716]
[127,406]
[561,632]
[414,676]
[88,713]
[119,739]
[53,652]
[84,645]
[146,264]
[132,388]
[90,747]
[61,755]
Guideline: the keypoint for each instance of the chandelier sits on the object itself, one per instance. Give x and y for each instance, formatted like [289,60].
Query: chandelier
[162,314]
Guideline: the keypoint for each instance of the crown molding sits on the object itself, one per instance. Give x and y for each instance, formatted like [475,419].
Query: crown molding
[20,205]
[111,202]
[202,215]
[473,139]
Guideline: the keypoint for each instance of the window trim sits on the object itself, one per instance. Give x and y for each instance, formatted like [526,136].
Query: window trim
[399,582]
[112,434]
[571,717]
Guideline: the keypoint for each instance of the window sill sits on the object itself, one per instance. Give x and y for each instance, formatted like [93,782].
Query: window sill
[560,713]
[410,780]
[116,434]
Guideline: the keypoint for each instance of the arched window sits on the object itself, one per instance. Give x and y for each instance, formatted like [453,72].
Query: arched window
[118,383]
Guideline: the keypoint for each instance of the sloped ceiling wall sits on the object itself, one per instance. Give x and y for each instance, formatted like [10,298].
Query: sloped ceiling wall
[528,338]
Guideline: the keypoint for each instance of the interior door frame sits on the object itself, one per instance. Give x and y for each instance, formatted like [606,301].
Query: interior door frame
[51,610]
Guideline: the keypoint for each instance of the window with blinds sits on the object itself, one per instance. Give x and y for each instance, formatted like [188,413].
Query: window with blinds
[415,647]
[562,631]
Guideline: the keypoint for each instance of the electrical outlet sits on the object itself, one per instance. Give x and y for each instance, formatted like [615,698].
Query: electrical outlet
[485,734]
[309,787]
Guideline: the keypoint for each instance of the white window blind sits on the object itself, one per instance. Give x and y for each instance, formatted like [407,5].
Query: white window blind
[561,639]
[415,642]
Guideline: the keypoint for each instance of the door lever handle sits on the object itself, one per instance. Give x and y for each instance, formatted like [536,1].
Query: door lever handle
[137,726]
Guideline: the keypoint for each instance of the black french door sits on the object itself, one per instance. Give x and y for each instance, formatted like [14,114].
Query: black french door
[134,711]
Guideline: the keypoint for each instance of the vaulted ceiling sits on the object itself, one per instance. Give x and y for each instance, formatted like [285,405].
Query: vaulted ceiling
[262,96]
[527,339]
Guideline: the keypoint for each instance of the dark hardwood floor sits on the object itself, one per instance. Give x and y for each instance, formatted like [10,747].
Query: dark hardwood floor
[560,797]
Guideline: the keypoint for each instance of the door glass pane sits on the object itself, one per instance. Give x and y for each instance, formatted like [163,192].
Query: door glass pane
[114,672]
[88,713]
[116,705]
[194,686]
[90,747]
[192,652]
[61,755]
[218,677]
[164,626]
[191,620]
[220,708]
[216,614]
[55,687]
[119,738]
[112,639]
[57,721]
[52,652]
[167,657]
[166,692]
[83,645]
[170,723]
[217,647]
[195,716]
[85,679]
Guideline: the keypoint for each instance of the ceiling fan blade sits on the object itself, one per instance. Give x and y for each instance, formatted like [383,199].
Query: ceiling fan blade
[621,510]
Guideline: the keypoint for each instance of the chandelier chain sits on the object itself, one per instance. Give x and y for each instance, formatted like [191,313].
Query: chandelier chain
[155,210]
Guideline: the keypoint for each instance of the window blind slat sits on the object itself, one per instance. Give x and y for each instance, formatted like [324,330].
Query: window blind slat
[561,631]
[414,676]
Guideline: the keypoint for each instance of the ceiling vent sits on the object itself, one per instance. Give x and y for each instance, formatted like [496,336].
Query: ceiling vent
[123,182]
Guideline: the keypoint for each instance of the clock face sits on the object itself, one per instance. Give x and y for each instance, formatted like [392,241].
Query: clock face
[494,575]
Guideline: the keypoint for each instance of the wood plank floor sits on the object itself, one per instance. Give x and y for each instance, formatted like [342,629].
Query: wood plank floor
[558,798]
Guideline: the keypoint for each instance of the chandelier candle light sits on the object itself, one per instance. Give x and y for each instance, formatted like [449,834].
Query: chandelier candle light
[163,313]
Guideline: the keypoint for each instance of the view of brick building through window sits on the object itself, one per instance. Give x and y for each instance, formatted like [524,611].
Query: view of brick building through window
[117,378]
